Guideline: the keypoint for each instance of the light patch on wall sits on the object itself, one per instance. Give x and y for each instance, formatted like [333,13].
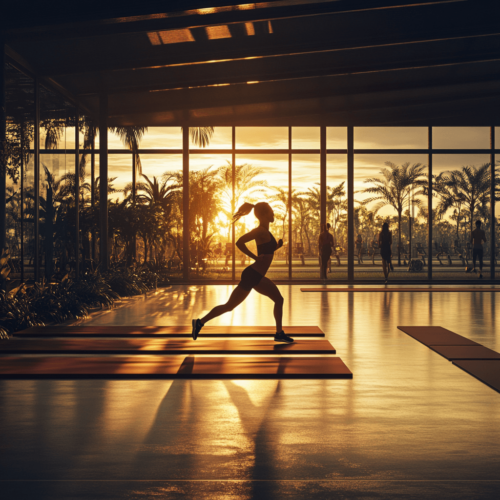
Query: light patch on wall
[250,29]
[216,32]
[176,36]
[154,38]
[270,27]
[170,36]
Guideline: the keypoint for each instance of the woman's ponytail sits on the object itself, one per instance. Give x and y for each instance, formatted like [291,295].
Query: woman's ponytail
[245,209]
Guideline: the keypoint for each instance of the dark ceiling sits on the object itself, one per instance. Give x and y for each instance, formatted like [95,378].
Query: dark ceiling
[288,62]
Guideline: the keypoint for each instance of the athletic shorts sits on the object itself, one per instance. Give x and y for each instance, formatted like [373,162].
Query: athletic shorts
[250,278]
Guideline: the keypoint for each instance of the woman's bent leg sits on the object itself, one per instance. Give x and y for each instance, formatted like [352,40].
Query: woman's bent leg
[237,297]
[269,289]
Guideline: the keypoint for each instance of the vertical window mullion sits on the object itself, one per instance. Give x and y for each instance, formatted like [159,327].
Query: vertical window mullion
[492,203]
[429,207]
[233,208]
[350,203]
[290,249]
[185,202]
[37,179]
[323,175]
[77,193]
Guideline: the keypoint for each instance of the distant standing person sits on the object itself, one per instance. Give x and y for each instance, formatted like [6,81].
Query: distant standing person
[477,237]
[325,244]
[385,245]
[359,249]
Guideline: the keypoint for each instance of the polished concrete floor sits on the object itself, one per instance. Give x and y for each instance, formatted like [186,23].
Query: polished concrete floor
[408,425]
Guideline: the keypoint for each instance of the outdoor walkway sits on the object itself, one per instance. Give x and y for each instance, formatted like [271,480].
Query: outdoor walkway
[409,424]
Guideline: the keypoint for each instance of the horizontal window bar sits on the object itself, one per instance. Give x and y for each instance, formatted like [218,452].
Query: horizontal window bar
[275,151]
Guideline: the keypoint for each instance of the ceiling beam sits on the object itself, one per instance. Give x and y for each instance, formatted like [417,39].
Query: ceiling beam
[242,50]
[368,61]
[20,63]
[208,104]
[199,18]
[440,108]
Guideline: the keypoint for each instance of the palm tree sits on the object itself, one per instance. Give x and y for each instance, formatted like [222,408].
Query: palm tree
[156,191]
[336,206]
[395,188]
[201,135]
[52,210]
[131,137]
[469,187]
[282,198]
[313,197]
[449,198]
[204,206]
[245,183]
[162,193]
[302,212]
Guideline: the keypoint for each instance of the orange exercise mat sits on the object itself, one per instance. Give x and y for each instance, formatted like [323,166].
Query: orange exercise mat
[161,346]
[173,367]
[399,289]
[436,335]
[166,331]
[487,371]
[456,352]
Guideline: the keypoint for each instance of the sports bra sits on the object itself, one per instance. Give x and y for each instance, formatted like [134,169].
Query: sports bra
[267,248]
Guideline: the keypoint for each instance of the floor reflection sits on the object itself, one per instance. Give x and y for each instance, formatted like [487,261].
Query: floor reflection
[407,415]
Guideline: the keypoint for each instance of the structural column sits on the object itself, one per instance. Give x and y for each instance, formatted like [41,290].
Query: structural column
[3,152]
[103,181]
[92,190]
[350,203]
[233,208]
[290,247]
[323,193]
[21,175]
[429,207]
[134,194]
[77,193]
[492,204]
[185,201]
[36,180]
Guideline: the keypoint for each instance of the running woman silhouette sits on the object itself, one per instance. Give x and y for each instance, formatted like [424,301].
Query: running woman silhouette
[254,276]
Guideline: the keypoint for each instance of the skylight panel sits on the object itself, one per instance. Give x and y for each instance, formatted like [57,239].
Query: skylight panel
[250,29]
[154,38]
[170,36]
[176,36]
[216,32]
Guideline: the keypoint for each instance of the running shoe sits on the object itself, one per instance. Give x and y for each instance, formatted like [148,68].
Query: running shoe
[197,326]
[282,337]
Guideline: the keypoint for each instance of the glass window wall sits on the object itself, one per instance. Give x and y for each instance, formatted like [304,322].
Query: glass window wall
[336,214]
[284,168]
[461,187]
[210,213]
[390,188]
[306,218]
